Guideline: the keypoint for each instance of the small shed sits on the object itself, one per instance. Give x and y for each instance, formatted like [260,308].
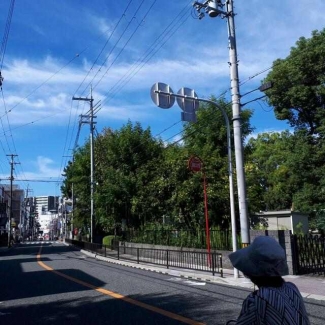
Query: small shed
[284,220]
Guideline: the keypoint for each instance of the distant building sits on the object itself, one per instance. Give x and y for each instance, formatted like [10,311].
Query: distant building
[30,217]
[3,211]
[18,195]
[46,204]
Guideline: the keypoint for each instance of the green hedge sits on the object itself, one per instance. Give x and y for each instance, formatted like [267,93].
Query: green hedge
[108,239]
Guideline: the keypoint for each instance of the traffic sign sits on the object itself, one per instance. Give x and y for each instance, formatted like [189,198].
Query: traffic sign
[195,164]
[162,100]
[188,105]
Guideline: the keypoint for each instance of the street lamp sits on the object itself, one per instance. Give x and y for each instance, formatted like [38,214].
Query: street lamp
[163,97]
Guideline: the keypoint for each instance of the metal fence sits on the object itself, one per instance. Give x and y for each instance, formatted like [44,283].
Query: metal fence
[309,252]
[219,239]
[199,261]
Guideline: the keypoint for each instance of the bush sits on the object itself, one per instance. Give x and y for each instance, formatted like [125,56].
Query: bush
[108,240]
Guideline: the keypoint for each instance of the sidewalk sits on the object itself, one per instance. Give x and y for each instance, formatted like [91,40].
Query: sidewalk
[312,287]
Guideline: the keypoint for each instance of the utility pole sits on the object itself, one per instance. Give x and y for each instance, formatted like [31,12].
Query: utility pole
[72,206]
[89,119]
[27,199]
[72,211]
[215,8]
[23,215]
[12,168]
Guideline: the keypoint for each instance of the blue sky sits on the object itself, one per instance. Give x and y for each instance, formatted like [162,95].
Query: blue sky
[45,35]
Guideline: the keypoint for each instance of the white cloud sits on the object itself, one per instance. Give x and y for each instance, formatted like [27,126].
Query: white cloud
[44,169]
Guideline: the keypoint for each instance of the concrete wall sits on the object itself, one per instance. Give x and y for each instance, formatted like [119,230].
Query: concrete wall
[284,223]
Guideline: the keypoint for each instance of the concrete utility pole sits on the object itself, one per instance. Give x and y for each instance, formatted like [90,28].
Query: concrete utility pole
[89,119]
[215,8]
[12,168]
[72,211]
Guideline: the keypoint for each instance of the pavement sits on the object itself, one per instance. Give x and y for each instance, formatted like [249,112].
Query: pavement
[312,287]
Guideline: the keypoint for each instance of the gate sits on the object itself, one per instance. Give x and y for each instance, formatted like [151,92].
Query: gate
[309,252]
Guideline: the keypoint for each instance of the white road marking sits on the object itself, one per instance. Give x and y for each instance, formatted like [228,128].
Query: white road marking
[192,283]
[3,314]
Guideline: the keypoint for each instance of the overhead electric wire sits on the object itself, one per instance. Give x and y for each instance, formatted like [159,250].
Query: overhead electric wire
[104,46]
[33,180]
[6,35]
[107,57]
[114,46]
[268,110]
[12,138]
[153,45]
[124,46]
[5,109]
[127,42]
[31,122]
[54,74]
[149,53]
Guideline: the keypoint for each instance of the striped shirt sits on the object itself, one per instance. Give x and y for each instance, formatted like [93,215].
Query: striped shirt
[273,306]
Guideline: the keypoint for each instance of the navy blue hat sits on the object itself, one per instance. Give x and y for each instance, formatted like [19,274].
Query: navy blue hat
[264,257]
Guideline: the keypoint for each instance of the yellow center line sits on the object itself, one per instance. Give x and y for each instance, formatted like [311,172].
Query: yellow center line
[157,310]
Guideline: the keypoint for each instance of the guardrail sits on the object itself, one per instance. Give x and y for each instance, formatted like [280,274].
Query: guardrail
[199,261]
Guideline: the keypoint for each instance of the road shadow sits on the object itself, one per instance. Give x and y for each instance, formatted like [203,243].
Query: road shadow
[102,309]
[22,277]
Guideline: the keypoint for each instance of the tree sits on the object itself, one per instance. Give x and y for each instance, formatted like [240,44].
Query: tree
[298,93]
[207,139]
[286,170]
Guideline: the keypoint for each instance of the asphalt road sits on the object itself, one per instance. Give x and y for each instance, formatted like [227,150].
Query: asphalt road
[62,286]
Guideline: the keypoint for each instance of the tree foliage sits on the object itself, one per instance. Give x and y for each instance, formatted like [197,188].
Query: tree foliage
[298,94]
[139,180]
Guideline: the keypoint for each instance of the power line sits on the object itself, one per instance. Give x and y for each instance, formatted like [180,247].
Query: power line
[148,54]
[127,42]
[33,180]
[107,57]
[104,46]
[55,73]
[12,138]
[5,37]
[95,61]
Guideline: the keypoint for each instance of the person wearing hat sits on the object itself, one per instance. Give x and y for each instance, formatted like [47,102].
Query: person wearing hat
[276,301]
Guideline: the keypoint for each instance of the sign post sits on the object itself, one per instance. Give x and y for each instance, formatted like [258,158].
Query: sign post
[189,104]
[195,164]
